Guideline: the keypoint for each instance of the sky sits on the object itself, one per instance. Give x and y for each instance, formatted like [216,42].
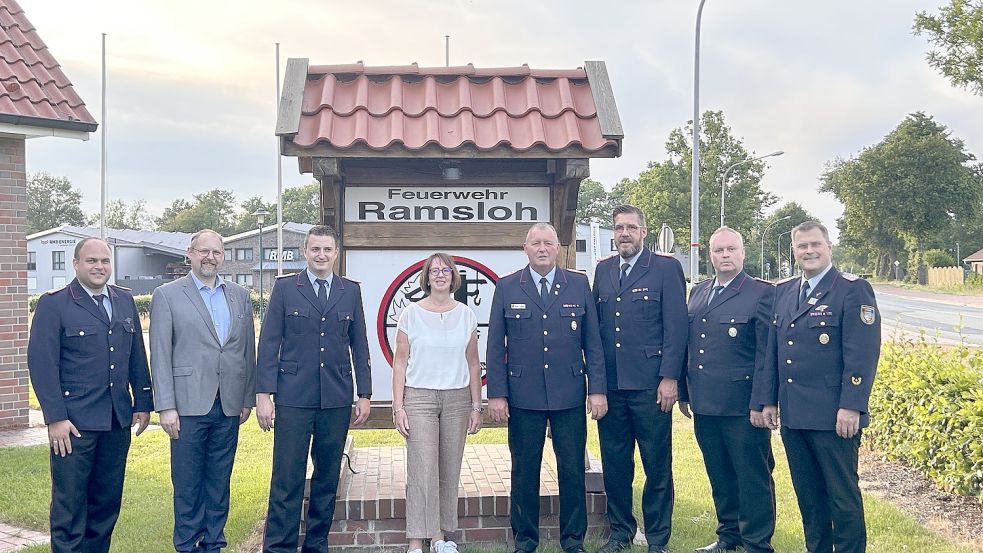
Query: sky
[192,85]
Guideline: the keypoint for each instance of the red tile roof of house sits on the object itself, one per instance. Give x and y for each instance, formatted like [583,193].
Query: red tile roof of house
[357,110]
[34,90]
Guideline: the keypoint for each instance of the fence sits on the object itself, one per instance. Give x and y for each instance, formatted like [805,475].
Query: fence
[945,276]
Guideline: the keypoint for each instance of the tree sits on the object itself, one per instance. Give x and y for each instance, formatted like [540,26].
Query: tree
[594,203]
[910,186]
[214,209]
[122,215]
[302,204]
[663,190]
[774,260]
[52,201]
[939,258]
[246,219]
[957,35]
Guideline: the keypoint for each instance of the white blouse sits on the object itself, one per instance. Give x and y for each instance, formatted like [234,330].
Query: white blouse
[438,342]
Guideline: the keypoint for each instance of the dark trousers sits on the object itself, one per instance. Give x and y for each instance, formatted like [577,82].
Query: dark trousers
[827,486]
[292,436]
[87,490]
[634,417]
[739,463]
[527,436]
[201,468]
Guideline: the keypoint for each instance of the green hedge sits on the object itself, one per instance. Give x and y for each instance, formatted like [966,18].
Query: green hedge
[143,302]
[927,411]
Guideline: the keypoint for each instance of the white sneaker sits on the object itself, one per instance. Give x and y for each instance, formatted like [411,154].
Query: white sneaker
[441,546]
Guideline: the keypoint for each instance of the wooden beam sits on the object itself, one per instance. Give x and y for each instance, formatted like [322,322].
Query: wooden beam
[291,97]
[434,235]
[565,192]
[607,109]
[321,149]
[326,167]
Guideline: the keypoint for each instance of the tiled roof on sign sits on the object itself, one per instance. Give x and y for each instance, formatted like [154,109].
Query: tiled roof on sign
[351,106]
[33,89]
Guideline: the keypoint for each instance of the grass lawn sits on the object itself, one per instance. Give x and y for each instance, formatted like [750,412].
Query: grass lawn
[146,521]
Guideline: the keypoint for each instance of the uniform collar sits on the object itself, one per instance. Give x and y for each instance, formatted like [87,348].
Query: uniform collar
[814,281]
[313,278]
[631,262]
[550,276]
[93,292]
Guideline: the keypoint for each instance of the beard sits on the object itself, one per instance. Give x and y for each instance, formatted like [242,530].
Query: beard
[628,250]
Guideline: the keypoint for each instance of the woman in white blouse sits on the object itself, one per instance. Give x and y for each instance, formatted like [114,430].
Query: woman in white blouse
[436,401]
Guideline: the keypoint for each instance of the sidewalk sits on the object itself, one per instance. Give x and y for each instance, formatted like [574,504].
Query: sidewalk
[14,539]
[937,297]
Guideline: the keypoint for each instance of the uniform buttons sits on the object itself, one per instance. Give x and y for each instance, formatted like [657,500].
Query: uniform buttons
[747,377]
[66,393]
[788,361]
[544,315]
[110,384]
[822,323]
[546,333]
[617,329]
[111,348]
[617,314]
[281,370]
[790,342]
[322,334]
[81,333]
[110,331]
[296,313]
[791,325]
[546,349]
[323,319]
[546,366]
[619,299]
[322,364]
[704,320]
[517,316]
[322,349]
[618,345]
[112,366]
[701,351]
[789,380]
[703,335]
[699,366]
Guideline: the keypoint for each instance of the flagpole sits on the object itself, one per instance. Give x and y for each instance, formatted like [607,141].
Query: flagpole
[279,179]
[103,185]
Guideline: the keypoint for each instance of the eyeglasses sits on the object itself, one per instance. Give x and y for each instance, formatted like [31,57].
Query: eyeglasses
[207,253]
[630,228]
[439,271]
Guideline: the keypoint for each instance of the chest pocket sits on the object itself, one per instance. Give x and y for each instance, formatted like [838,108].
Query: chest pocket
[572,318]
[647,305]
[298,319]
[734,327]
[517,323]
[344,320]
[81,340]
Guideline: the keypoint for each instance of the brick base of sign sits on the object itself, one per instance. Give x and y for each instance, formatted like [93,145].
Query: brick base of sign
[371,508]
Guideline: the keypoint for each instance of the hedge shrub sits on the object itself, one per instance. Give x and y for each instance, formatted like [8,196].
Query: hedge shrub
[143,303]
[927,411]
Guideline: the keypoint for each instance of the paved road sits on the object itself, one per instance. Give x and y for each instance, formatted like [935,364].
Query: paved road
[911,312]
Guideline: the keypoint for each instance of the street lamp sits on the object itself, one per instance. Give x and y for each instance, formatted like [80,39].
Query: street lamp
[780,252]
[763,233]
[260,220]
[723,179]
[694,205]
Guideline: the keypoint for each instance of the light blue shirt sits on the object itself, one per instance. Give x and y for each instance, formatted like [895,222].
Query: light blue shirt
[631,263]
[105,298]
[723,286]
[549,277]
[327,284]
[814,281]
[217,305]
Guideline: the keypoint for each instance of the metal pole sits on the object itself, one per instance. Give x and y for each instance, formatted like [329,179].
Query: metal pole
[103,185]
[763,234]
[279,182]
[261,258]
[780,253]
[959,260]
[447,50]
[694,210]
[723,179]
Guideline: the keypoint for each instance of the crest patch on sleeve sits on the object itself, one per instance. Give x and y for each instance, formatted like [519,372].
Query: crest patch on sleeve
[868,314]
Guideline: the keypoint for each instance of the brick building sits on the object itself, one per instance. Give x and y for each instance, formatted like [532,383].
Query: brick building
[36,100]
[242,255]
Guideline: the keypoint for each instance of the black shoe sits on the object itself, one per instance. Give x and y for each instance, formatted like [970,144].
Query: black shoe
[614,546]
[658,549]
[717,547]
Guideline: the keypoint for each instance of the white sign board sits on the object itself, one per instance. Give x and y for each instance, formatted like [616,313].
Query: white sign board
[446,204]
[390,282]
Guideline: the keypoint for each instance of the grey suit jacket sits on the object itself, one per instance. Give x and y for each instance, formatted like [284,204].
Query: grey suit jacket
[188,364]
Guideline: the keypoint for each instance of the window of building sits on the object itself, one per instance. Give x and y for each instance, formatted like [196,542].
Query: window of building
[245,280]
[226,276]
[32,261]
[228,254]
[57,282]
[289,254]
[58,261]
[581,246]
[32,284]
[244,254]
[613,247]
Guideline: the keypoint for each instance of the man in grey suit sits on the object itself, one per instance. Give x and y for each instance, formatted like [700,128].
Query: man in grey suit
[203,362]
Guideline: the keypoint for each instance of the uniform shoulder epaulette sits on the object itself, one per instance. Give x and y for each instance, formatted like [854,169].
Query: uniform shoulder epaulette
[56,290]
[605,258]
[787,279]
[124,288]
[664,254]
[515,272]
[352,280]
[768,282]
[850,276]
[702,281]
[577,271]
[285,275]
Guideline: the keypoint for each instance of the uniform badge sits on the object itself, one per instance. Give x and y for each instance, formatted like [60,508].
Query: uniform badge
[812,301]
[573,325]
[822,308]
[868,314]
[517,306]
[856,380]
[824,338]
[732,332]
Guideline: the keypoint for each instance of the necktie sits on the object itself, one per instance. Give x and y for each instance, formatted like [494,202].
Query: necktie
[624,272]
[804,294]
[322,292]
[544,290]
[716,292]
[102,307]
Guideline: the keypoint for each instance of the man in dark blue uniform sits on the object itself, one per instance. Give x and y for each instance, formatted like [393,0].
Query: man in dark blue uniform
[86,357]
[641,302]
[822,355]
[312,338]
[542,341]
[729,319]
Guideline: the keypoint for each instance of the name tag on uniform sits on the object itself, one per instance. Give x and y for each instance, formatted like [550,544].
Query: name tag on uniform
[517,306]
[640,289]
[571,305]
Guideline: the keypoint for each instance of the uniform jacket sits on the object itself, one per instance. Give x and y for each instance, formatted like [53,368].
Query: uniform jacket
[306,356]
[821,356]
[538,354]
[727,345]
[189,364]
[83,369]
[643,320]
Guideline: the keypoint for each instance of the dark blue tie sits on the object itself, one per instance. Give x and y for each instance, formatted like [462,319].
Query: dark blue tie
[624,272]
[322,293]
[716,292]
[102,307]
[544,290]
[804,294]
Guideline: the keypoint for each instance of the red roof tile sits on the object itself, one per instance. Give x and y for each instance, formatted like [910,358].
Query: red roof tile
[32,84]
[449,108]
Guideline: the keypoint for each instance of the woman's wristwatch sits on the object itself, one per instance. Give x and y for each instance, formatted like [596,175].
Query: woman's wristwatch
[476,407]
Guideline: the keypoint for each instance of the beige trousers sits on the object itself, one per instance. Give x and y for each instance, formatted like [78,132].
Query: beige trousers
[438,422]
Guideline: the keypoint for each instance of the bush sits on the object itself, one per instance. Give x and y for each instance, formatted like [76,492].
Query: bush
[32,302]
[927,411]
[939,258]
[143,303]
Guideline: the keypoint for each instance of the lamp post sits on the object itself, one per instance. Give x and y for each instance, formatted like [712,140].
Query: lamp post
[694,205]
[763,233]
[780,252]
[260,220]
[723,179]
